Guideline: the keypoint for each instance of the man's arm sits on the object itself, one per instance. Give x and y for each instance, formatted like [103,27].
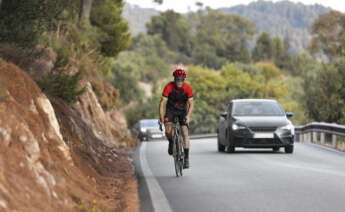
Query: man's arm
[190,108]
[161,109]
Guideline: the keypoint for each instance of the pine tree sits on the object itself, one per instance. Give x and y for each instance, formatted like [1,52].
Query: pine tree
[264,48]
[279,52]
[244,56]
[106,16]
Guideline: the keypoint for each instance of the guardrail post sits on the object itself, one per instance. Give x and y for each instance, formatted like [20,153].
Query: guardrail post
[322,138]
[314,137]
[334,141]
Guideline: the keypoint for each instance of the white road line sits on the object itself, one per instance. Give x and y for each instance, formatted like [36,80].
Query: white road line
[159,201]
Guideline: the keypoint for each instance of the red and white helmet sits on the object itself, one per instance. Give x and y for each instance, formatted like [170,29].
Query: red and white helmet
[180,73]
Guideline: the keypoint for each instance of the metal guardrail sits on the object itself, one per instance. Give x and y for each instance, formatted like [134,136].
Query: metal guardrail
[309,132]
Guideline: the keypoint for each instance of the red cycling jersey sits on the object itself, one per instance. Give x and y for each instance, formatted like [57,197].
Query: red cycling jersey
[177,97]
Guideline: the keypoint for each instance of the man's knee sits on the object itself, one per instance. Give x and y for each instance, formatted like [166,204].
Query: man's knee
[168,130]
[184,131]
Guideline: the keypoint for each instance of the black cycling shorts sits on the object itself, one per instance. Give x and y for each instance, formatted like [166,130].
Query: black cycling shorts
[170,114]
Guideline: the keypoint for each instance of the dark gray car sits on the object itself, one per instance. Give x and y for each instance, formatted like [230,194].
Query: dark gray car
[255,123]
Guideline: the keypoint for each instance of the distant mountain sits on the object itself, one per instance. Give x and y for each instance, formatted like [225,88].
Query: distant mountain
[279,19]
[137,17]
[282,18]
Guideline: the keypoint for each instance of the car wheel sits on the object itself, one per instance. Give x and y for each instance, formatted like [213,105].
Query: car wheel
[230,149]
[276,149]
[289,149]
[221,147]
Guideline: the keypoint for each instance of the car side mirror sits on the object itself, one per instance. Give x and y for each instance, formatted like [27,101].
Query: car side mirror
[289,114]
[224,115]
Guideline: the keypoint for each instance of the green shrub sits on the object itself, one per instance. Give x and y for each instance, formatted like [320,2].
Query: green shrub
[62,85]
[268,70]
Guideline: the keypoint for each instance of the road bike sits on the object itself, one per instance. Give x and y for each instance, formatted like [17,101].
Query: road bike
[178,150]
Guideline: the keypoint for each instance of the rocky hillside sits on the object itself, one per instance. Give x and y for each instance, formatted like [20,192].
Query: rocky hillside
[137,17]
[54,156]
[281,18]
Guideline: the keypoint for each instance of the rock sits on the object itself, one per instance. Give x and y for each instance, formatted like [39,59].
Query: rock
[5,136]
[3,204]
[31,136]
[45,105]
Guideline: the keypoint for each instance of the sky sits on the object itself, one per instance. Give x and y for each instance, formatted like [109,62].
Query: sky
[186,5]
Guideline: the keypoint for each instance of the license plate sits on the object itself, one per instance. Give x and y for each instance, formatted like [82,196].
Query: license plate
[156,136]
[263,135]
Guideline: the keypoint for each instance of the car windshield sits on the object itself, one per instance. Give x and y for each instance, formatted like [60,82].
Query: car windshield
[150,123]
[261,108]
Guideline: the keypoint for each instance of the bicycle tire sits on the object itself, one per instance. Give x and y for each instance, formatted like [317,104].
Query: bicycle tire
[181,156]
[175,155]
[178,153]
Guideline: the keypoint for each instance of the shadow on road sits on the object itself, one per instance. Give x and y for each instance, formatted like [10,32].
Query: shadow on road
[248,152]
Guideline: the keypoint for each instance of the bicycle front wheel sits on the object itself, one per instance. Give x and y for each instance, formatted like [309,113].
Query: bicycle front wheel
[181,155]
[176,156]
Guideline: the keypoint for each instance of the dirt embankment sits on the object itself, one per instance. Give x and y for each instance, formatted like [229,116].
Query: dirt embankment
[50,157]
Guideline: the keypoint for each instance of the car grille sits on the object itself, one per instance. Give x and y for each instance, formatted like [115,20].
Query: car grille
[263,129]
[261,141]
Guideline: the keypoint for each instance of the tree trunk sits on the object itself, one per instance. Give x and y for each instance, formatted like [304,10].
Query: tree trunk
[85,9]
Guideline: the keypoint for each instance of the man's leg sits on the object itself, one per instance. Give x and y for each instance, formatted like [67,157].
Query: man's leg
[168,133]
[186,142]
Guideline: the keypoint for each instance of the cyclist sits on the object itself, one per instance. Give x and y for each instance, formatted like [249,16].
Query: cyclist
[179,98]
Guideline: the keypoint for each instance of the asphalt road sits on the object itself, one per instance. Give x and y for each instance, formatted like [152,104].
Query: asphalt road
[312,179]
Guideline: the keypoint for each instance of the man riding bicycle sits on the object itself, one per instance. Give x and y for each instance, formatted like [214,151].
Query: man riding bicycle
[179,98]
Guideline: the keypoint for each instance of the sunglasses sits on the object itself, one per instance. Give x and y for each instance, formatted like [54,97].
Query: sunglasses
[179,80]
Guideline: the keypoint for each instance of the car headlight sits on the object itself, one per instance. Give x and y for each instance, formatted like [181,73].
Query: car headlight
[286,127]
[237,127]
[143,130]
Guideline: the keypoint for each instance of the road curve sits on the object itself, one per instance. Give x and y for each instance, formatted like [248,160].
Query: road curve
[312,179]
